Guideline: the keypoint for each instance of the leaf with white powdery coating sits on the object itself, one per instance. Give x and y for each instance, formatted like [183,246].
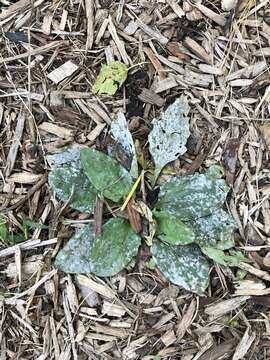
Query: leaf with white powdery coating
[192,196]
[109,177]
[173,230]
[215,230]
[74,257]
[167,140]
[69,182]
[182,265]
[123,144]
[114,248]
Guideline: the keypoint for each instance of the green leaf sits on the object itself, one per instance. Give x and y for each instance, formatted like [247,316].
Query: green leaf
[150,264]
[215,230]
[30,224]
[173,230]
[192,196]
[108,176]
[182,265]
[74,257]
[215,172]
[167,140]
[218,256]
[69,182]
[3,229]
[122,148]
[110,78]
[114,248]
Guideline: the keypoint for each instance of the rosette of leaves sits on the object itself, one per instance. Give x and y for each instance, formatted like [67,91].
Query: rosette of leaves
[192,225]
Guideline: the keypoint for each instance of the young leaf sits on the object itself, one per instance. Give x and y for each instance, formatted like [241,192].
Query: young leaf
[167,140]
[74,257]
[182,265]
[69,182]
[110,78]
[114,248]
[192,196]
[106,174]
[173,230]
[123,148]
[215,230]
[220,257]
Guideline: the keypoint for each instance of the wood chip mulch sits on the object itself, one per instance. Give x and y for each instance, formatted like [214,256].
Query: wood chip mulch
[50,55]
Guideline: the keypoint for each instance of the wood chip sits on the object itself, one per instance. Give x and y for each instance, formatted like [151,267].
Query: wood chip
[24,178]
[56,130]
[62,72]
[100,289]
[244,345]
[36,51]
[168,338]
[219,19]
[150,97]
[186,320]
[15,144]
[89,9]
[119,43]
[193,46]
[225,306]
[176,8]
[152,33]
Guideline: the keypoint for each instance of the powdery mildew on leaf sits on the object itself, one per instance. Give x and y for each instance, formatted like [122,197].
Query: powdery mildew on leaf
[173,230]
[193,196]
[167,140]
[122,136]
[68,156]
[74,257]
[215,230]
[69,182]
[182,265]
[108,176]
[114,248]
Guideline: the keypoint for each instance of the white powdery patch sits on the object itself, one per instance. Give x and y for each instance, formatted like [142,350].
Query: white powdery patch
[167,140]
[121,134]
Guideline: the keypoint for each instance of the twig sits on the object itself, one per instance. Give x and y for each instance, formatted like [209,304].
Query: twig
[27,245]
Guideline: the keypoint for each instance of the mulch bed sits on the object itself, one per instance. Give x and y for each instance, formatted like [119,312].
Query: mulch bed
[220,61]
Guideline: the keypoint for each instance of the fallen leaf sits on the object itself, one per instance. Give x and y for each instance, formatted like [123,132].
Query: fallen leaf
[110,78]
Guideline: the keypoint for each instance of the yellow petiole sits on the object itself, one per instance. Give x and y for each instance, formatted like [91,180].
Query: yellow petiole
[132,191]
